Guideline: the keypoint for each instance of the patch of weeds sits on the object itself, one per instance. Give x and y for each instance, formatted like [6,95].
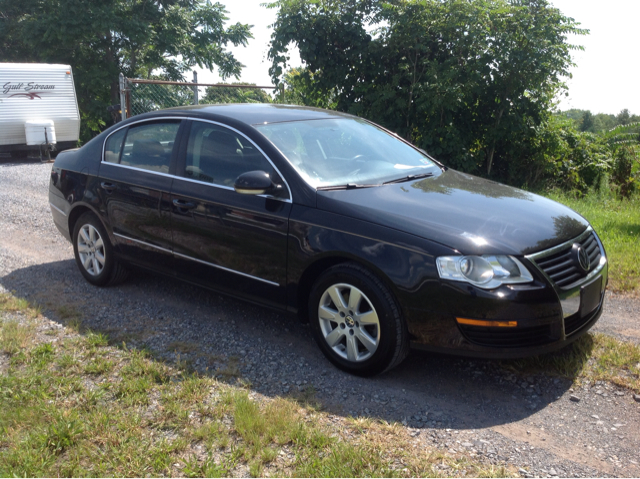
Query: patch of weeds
[255,469]
[42,355]
[212,433]
[14,336]
[11,303]
[74,324]
[141,366]
[90,398]
[191,467]
[99,366]
[593,357]
[63,433]
[341,460]
[133,391]
[97,340]
[66,361]
[68,313]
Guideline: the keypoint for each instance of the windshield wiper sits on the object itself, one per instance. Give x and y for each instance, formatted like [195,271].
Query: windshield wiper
[348,186]
[408,178]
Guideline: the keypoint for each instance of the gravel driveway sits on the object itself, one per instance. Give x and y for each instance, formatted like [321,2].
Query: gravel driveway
[458,405]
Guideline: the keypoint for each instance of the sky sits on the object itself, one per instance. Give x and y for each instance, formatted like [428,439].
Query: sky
[605,78]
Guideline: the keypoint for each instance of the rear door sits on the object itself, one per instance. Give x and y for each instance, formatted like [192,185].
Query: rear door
[229,241]
[135,185]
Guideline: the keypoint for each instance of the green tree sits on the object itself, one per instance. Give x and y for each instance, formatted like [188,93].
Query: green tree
[587,122]
[101,38]
[624,117]
[300,89]
[461,79]
[235,95]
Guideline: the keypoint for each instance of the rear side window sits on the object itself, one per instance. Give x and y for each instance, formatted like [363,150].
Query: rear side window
[149,146]
[113,147]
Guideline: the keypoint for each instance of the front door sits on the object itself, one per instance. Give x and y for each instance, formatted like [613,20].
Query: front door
[225,240]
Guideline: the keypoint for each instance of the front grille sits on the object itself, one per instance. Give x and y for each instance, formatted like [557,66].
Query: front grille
[508,337]
[561,268]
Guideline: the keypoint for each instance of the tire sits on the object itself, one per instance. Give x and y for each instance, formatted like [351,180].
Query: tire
[94,253]
[366,334]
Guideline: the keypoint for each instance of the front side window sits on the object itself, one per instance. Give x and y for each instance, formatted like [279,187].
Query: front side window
[147,146]
[218,156]
[343,150]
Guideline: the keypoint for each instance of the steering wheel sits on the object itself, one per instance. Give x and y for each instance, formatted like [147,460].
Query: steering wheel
[358,157]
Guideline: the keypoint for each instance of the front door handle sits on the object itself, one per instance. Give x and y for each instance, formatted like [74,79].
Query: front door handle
[108,187]
[184,205]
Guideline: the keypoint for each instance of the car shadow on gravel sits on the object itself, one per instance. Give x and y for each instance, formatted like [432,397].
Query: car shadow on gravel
[273,354]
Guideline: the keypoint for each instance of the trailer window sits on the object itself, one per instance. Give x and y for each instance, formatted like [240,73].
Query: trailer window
[113,147]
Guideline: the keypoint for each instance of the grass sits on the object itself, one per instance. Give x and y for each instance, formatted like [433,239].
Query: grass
[617,223]
[9,303]
[593,357]
[78,406]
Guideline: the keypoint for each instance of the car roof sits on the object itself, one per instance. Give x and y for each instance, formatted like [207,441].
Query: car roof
[256,113]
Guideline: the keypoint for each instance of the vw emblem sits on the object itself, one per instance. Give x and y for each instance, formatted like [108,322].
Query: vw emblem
[581,258]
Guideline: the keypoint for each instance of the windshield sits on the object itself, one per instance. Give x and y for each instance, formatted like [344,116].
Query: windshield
[345,151]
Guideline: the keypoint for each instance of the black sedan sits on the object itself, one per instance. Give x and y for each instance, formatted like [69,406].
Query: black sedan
[369,239]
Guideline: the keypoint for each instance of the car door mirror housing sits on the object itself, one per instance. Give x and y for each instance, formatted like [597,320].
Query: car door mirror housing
[256,183]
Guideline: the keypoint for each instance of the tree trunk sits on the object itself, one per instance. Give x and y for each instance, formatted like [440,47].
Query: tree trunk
[114,86]
[492,150]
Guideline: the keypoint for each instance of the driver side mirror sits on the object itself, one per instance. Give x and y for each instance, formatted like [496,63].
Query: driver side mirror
[256,183]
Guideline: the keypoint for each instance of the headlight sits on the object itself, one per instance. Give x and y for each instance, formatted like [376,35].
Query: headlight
[487,272]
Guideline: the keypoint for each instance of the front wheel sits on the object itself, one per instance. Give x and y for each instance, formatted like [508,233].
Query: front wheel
[94,253]
[356,321]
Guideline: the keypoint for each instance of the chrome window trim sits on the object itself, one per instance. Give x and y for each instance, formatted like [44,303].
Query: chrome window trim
[213,122]
[140,169]
[104,144]
[567,295]
[57,209]
[196,259]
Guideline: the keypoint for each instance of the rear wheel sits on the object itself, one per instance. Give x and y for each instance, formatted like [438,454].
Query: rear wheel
[356,321]
[94,253]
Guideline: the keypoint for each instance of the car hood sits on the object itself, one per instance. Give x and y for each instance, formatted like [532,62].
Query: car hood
[464,212]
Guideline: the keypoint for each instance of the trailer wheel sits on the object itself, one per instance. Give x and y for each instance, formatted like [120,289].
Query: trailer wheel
[18,153]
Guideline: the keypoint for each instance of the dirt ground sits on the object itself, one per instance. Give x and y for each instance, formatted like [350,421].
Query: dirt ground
[460,405]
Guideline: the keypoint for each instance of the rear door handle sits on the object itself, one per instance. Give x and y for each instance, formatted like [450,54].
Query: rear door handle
[108,187]
[184,205]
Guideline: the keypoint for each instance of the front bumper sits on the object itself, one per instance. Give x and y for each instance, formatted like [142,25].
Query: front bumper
[534,318]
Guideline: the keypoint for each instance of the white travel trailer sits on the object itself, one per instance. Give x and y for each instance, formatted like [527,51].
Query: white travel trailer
[38,108]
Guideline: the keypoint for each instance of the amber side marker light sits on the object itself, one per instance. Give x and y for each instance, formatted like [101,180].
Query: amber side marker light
[488,324]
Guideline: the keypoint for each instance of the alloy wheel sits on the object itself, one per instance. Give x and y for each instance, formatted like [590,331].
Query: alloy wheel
[349,323]
[91,250]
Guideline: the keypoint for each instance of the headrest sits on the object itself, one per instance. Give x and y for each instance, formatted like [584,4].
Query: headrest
[220,143]
[147,147]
